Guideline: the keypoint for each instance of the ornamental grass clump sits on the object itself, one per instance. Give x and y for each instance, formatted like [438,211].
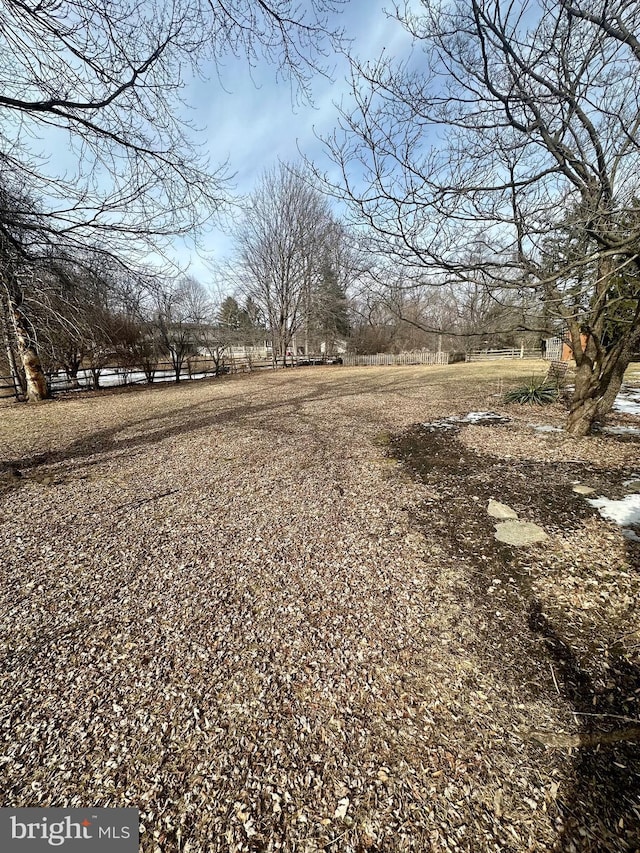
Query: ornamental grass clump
[535,392]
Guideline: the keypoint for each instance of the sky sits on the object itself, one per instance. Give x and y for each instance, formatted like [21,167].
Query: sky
[250,120]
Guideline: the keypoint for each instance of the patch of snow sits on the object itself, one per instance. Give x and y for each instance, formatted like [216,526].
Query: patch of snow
[630,534]
[447,423]
[545,428]
[624,512]
[453,421]
[628,401]
[621,430]
[479,417]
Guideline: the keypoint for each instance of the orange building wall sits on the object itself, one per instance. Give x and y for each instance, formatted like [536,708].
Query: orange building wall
[567,351]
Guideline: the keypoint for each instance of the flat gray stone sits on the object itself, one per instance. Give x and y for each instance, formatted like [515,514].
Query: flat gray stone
[498,510]
[519,532]
[583,490]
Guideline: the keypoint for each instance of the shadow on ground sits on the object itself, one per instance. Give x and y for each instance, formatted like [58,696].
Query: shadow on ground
[544,655]
[236,401]
[209,413]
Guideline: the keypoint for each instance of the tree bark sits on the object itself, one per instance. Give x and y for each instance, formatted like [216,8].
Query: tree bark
[37,388]
[584,404]
[19,383]
[17,377]
[597,386]
[582,415]
[608,398]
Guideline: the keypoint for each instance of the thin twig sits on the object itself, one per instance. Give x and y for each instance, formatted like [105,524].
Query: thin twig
[139,501]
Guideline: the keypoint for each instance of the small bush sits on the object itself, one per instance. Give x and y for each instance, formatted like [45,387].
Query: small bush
[536,392]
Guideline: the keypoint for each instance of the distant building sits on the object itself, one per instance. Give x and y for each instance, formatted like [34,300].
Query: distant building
[559,348]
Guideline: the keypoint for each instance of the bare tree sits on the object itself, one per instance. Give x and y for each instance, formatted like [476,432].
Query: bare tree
[326,305]
[107,80]
[280,251]
[507,146]
[182,309]
[104,82]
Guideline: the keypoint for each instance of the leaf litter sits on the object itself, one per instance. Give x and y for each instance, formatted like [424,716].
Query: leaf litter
[223,606]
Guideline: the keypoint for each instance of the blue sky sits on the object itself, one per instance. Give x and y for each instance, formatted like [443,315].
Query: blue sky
[250,120]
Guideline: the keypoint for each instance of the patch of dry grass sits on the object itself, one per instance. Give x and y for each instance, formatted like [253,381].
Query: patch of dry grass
[226,604]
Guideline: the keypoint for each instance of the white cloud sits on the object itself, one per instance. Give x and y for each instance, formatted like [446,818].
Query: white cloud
[252,119]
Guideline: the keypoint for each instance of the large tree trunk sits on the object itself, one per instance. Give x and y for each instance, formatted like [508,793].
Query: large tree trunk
[608,398]
[582,415]
[584,404]
[619,360]
[37,388]
[596,388]
[584,407]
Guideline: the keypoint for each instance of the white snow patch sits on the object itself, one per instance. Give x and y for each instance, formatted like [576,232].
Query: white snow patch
[446,423]
[628,401]
[472,418]
[624,512]
[545,428]
[478,417]
[621,430]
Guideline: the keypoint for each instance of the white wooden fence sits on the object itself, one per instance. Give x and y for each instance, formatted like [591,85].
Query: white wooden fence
[385,358]
[494,354]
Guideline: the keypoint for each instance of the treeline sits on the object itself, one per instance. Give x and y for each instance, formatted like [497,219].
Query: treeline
[104,86]
[72,316]
[302,282]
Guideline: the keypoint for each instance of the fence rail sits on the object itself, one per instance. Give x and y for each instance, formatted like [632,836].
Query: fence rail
[111,377]
[384,358]
[7,388]
[193,368]
[494,354]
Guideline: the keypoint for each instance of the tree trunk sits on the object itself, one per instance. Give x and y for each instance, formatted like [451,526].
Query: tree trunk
[606,401]
[582,416]
[149,368]
[584,404]
[71,370]
[37,389]
[597,386]
[17,377]
[95,377]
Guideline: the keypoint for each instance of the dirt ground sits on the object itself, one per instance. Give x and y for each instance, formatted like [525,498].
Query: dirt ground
[270,612]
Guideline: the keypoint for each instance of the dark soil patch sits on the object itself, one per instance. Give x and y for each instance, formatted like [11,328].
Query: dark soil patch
[550,656]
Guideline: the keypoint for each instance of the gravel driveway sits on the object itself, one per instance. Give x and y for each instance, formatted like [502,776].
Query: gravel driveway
[217,607]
